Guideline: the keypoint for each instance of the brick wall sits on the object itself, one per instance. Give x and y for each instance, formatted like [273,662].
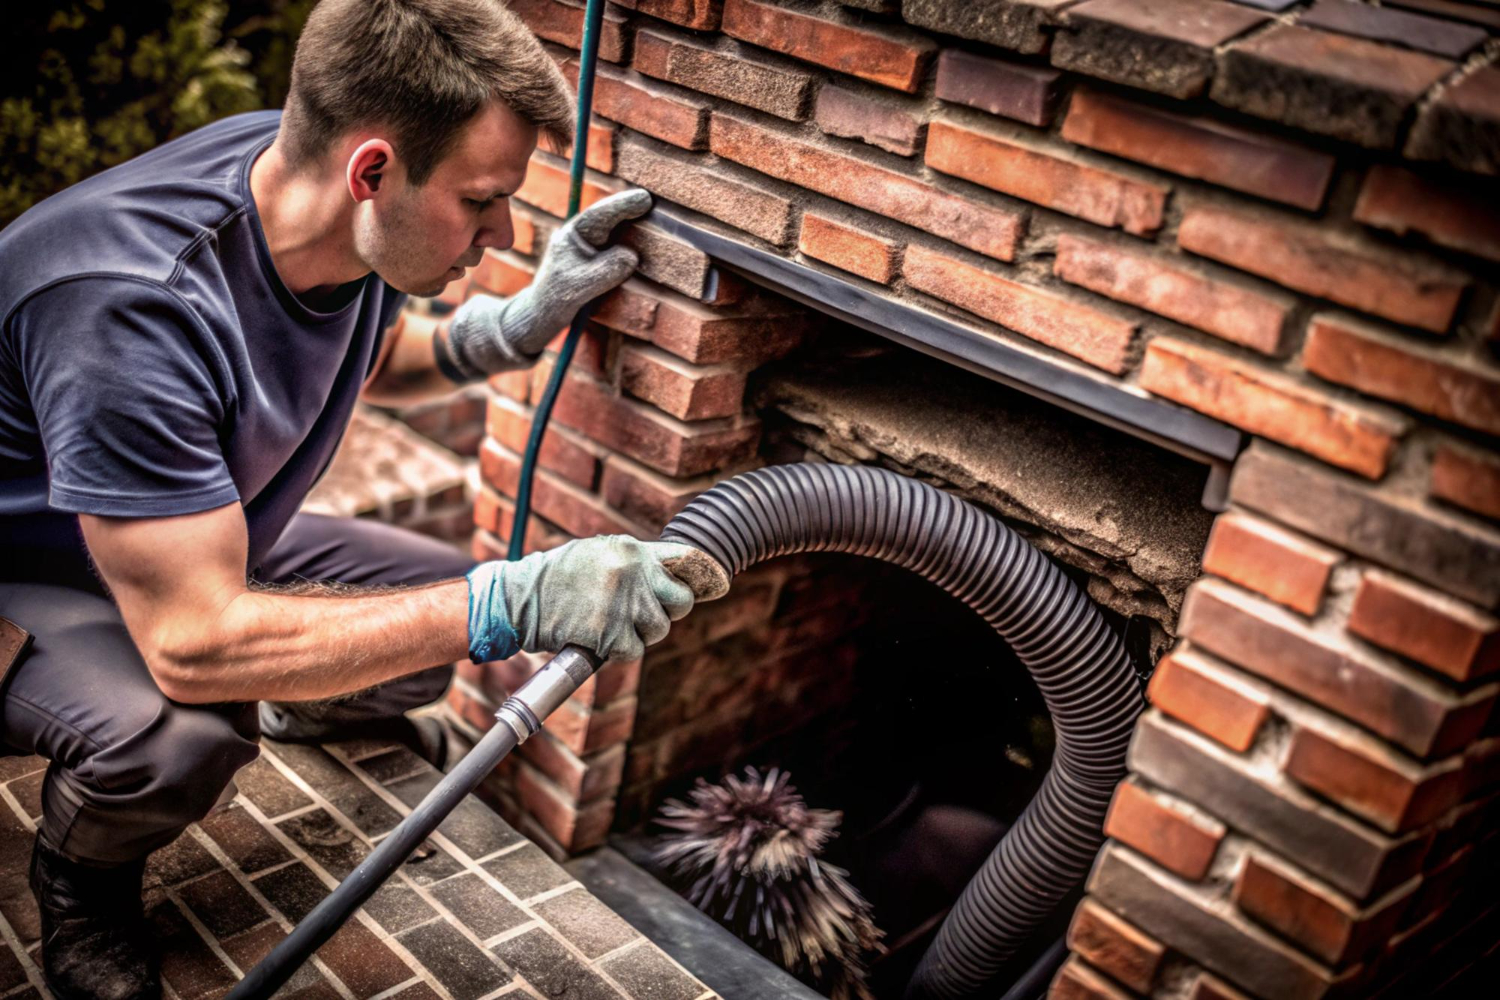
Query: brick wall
[1277,213]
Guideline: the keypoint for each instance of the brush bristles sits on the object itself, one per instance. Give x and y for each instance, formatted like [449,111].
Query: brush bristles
[749,850]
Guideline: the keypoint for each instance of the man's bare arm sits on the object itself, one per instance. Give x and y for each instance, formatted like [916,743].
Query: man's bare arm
[407,372]
[208,637]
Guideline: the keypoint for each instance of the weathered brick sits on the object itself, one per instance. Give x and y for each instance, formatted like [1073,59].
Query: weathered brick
[892,57]
[650,436]
[1448,385]
[1187,922]
[645,496]
[1412,31]
[1076,981]
[850,115]
[1461,126]
[1010,24]
[1320,919]
[1086,333]
[1467,478]
[1311,258]
[733,75]
[571,457]
[1349,88]
[1166,46]
[1226,310]
[1015,90]
[547,182]
[1251,798]
[1273,562]
[1210,697]
[503,274]
[512,385]
[680,266]
[711,190]
[1182,841]
[1370,780]
[1112,944]
[1454,10]
[753,331]
[583,778]
[846,247]
[1446,212]
[685,390]
[600,154]
[700,14]
[1448,552]
[562,23]
[1433,629]
[1323,666]
[660,111]
[1207,986]
[1199,146]
[1026,169]
[579,513]
[1272,405]
[576,828]
[988,230]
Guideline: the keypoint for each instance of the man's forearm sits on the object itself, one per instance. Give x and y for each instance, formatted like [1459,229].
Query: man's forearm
[295,647]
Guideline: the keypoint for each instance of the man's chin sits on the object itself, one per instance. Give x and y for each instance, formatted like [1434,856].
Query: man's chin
[426,289]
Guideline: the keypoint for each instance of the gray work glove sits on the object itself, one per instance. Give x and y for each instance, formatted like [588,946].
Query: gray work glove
[490,335]
[609,594]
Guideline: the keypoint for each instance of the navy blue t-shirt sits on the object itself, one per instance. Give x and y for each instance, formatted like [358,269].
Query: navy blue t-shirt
[152,362]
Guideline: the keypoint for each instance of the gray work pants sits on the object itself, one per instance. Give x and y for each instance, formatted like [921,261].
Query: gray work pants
[129,768]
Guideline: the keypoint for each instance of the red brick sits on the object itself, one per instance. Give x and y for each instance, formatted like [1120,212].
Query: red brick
[849,115]
[523,228]
[1202,147]
[563,23]
[1321,920]
[1226,310]
[990,231]
[1370,780]
[585,731]
[1349,88]
[1014,90]
[1327,668]
[601,148]
[362,961]
[513,385]
[1180,841]
[582,779]
[1076,981]
[471,709]
[1412,31]
[1431,628]
[650,436]
[1461,125]
[576,511]
[1273,562]
[843,246]
[1026,169]
[546,186]
[1166,46]
[1210,697]
[668,261]
[891,57]
[571,458]
[1100,339]
[659,111]
[700,14]
[1312,258]
[503,274]
[1112,944]
[732,75]
[753,331]
[709,189]
[645,496]
[1467,478]
[1449,385]
[1210,987]
[1447,213]
[1272,405]
[685,390]
[574,828]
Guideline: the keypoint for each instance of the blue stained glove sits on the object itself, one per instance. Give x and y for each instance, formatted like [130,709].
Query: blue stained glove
[610,594]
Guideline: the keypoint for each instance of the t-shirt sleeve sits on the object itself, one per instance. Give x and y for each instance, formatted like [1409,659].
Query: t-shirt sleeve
[129,398]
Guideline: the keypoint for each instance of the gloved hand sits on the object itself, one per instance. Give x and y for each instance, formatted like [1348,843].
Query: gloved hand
[609,594]
[490,335]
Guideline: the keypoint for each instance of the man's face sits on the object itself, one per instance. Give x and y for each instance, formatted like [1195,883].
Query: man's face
[419,238]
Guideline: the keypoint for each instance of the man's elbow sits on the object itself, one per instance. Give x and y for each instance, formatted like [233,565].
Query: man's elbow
[184,673]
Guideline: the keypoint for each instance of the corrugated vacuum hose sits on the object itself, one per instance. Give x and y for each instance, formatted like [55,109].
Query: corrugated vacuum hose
[1077,661]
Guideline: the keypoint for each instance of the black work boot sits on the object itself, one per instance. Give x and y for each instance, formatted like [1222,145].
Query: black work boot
[95,945]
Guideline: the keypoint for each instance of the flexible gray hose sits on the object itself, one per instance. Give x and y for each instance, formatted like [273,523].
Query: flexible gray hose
[1077,661]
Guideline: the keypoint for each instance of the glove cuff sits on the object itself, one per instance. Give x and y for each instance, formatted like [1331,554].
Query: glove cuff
[491,634]
[481,341]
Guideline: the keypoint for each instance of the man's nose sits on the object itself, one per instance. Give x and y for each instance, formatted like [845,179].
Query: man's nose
[495,230]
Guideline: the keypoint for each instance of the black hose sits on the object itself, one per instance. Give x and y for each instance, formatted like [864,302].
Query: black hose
[1078,663]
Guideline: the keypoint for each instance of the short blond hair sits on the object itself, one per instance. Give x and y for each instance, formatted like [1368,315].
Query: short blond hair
[421,68]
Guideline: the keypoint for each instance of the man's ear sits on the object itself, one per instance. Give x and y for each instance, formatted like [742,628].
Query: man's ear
[369,166]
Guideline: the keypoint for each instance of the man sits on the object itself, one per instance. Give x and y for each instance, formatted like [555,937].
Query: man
[184,337]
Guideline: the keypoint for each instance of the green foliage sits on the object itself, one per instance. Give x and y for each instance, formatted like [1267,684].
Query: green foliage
[91,83]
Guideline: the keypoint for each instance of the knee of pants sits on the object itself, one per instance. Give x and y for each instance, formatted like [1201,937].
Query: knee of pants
[185,758]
